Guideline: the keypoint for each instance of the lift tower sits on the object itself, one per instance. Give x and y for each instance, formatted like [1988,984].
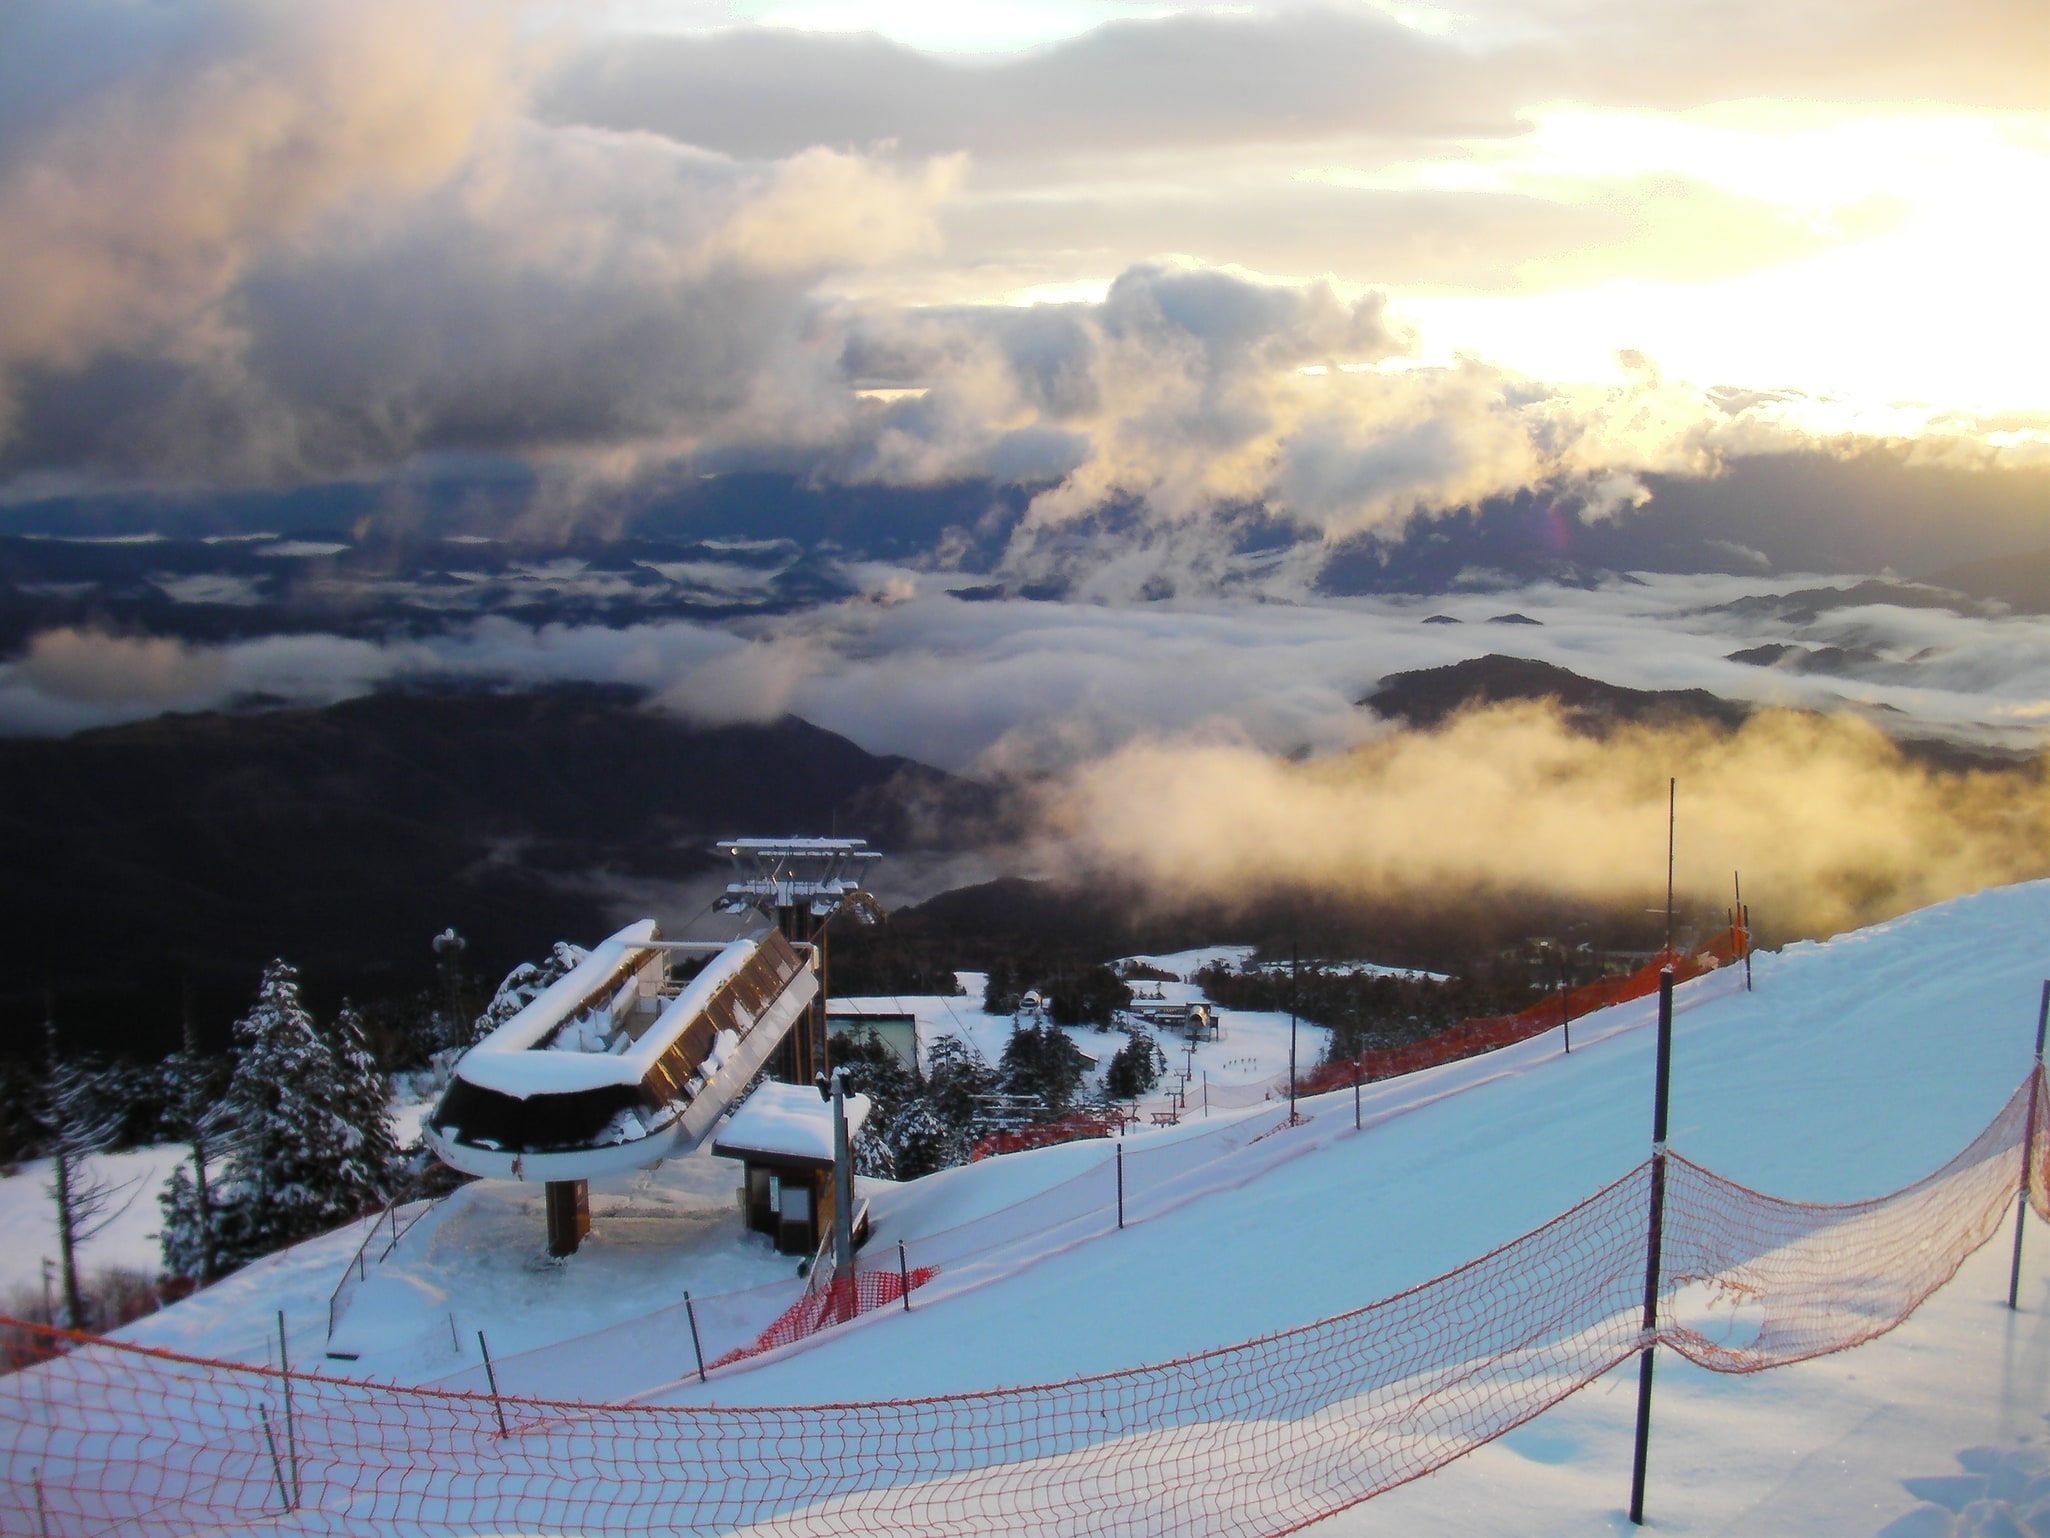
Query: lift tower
[801,883]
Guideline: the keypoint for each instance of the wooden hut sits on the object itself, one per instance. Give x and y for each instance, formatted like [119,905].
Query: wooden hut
[783,1136]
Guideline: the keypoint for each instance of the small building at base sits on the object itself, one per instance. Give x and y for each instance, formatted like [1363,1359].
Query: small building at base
[783,1136]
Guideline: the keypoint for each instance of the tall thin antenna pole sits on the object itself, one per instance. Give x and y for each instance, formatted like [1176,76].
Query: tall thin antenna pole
[1672,822]
[1294,982]
[1743,924]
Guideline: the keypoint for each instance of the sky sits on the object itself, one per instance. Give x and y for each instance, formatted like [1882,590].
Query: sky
[1356,263]
[1169,274]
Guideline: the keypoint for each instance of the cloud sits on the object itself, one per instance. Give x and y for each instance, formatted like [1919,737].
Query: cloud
[1206,746]
[70,679]
[129,211]
[288,242]
[1561,231]
[1175,81]
[1829,823]
[92,667]
[1981,53]
[1290,75]
[752,683]
[1189,394]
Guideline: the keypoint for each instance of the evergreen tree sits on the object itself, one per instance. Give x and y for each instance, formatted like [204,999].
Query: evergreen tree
[295,1163]
[923,1141]
[375,1164]
[1135,1068]
[191,1232]
[954,1076]
[1041,1060]
[1092,996]
[190,1237]
[868,1067]
[873,1155]
[1000,988]
[77,1126]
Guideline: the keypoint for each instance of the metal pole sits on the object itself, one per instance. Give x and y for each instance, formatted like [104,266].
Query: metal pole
[1206,1091]
[1121,1185]
[1566,1003]
[1654,1242]
[696,1346]
[843,1185]
[42,1511]
[1744,912]
[1355,1094]
[491,1377]
[291,1426]
[1672,823]
[277,1469]
[1738,924]
[904,1274]
[1294,982]
[2021,1209]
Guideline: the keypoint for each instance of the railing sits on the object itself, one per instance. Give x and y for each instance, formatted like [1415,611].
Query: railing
[385,1221]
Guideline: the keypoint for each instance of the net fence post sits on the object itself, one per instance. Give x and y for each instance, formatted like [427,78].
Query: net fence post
[277,1469]
[904,1274]
[1654,1242]
[2021,1206]
[1121,1184]
[697,1348]
[491,1377]
[291,1425]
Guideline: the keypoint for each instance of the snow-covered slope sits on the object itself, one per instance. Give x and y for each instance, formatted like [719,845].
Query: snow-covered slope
[1855,1067]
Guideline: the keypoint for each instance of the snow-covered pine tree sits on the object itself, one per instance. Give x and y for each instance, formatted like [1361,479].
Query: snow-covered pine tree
[522,985]
[922,1141]
[376,1163]
[955,1075]
[186,1241]
[1135,1068]
[190,1233]
[293,1167]
[1041,1060]
[873,1155]
[77,1126]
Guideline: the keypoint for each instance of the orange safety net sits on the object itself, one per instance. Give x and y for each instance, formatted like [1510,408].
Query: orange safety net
[1470,1038]
[1105,1121]
[1258,1438]
[840,1300]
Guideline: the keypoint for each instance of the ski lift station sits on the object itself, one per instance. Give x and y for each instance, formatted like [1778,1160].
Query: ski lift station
[620,1064]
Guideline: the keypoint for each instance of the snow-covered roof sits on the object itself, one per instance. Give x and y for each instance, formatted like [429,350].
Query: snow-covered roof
[787,1121]
[510,1059]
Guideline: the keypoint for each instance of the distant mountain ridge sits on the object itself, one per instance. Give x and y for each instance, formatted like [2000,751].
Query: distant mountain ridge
[345,838]
[1427,697]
